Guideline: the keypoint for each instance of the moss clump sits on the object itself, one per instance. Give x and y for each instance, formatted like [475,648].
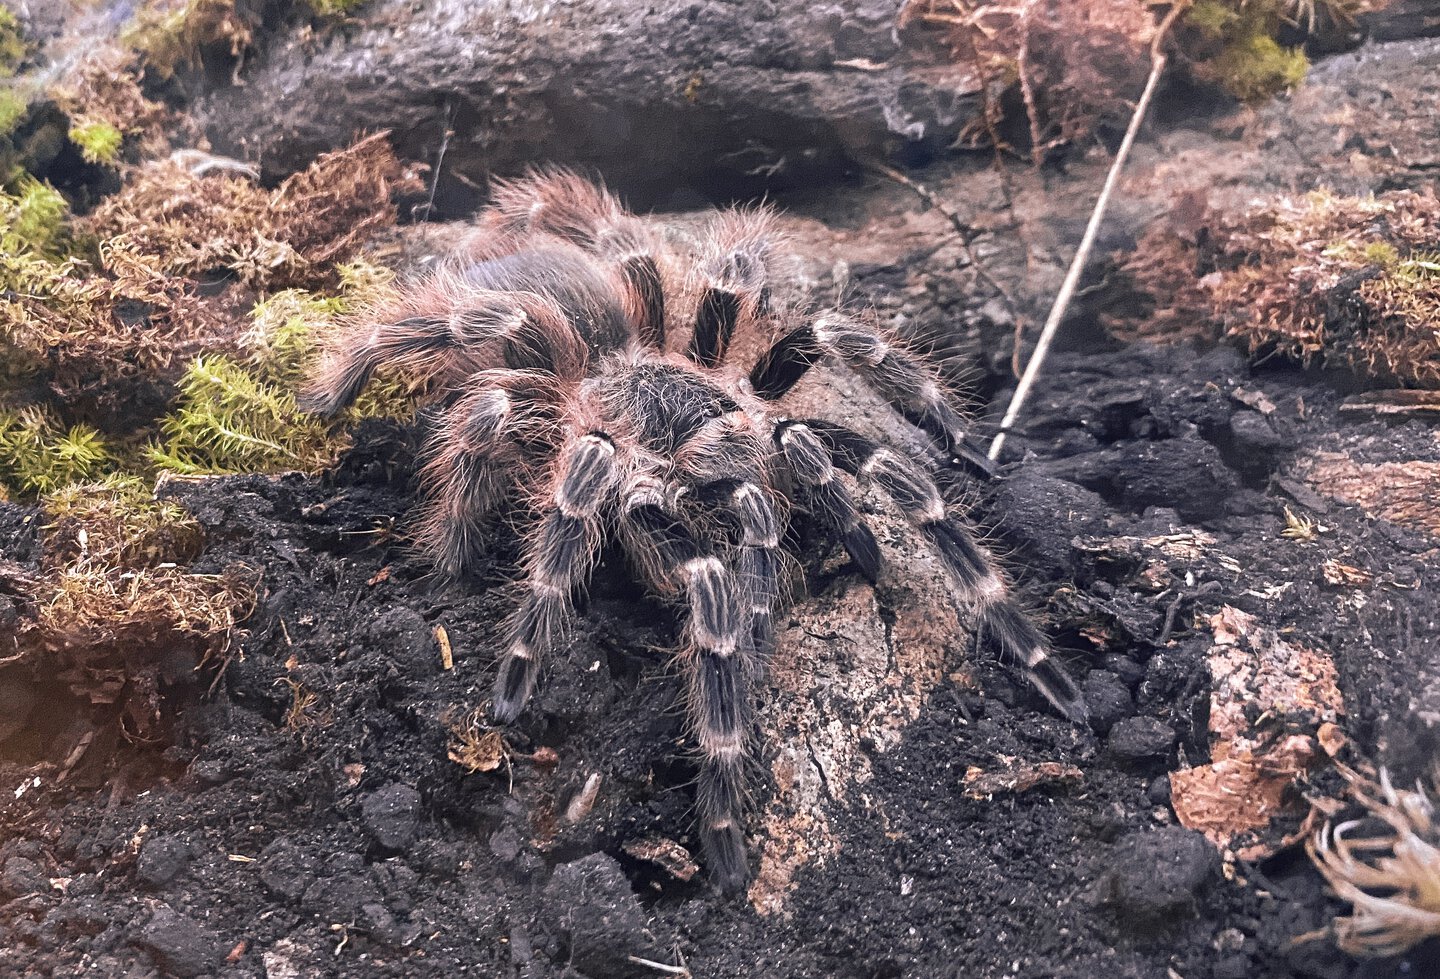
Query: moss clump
[1255,67]
[12,43]
[1074,66]
[127,315]
[32,223]
[13,109]
[1354,281]
[123,523]
[335,8]
[171,36]
[109,112]
[39,455]
[240,414]
[116,613]
[1232,44]
[99,141]
[182,223]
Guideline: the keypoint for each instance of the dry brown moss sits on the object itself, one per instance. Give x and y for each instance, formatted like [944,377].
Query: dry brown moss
[1385,865]
[134,310]
[1352,281]
[1074,64]
[101,95]
[115,611]
[182,224]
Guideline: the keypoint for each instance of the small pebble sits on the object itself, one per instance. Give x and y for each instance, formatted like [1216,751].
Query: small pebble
[1157,874]
[391,815]
[1140,739]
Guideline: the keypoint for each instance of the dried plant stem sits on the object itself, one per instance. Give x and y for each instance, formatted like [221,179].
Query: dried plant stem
[1087,242]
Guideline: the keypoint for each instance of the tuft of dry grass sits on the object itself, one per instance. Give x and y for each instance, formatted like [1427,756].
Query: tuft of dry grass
[305,710]
[474,745]
[1386,865]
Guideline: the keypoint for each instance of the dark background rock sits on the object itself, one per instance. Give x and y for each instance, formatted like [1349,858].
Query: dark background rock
[660,96]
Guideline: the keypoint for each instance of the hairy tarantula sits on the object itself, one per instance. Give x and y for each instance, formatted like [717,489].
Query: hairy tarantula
[587,367]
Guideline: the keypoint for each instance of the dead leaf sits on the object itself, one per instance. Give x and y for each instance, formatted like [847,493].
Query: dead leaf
[1260,684]
[666,854]
[1018,776]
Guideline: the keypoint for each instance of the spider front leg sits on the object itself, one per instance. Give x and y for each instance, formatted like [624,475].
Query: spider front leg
[735,269]
[911,387]
[561,553]
[672,560]
[474,458]
[981,583]
[809,462]
[445,329]
[757,559]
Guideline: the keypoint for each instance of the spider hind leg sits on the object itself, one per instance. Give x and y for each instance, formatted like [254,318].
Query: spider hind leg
[671,558]
[979,580]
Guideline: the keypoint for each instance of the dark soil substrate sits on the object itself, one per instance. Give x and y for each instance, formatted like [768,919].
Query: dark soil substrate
[351,845]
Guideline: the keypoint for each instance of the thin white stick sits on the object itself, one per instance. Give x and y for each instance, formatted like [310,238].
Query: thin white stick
[1072,278]
[674,970]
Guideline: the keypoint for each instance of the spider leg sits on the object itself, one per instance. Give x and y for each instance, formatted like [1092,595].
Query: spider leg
[735,269]
[672,559]
[473,458]
[756,565]
[809,460]
[980,581]
[443,330]
[911,387]
[561,553]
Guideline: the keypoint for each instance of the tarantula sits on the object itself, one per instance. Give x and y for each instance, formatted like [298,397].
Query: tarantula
[588,368]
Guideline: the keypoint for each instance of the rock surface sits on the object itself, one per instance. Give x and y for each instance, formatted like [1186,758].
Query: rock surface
[657,95]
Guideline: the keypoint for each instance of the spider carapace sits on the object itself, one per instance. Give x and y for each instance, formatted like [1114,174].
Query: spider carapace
[592,373]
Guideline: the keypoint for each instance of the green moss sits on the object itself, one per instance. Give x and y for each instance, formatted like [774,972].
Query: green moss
[1421,268]
[37,455]
[231,420]
[13,108]
[12,43]
[1380,253]
[32,220]
[1232,43]
[172,40]
[99,142]
[1212,18]
[335,8]
[1256,67]
[241,414]
[124,524]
